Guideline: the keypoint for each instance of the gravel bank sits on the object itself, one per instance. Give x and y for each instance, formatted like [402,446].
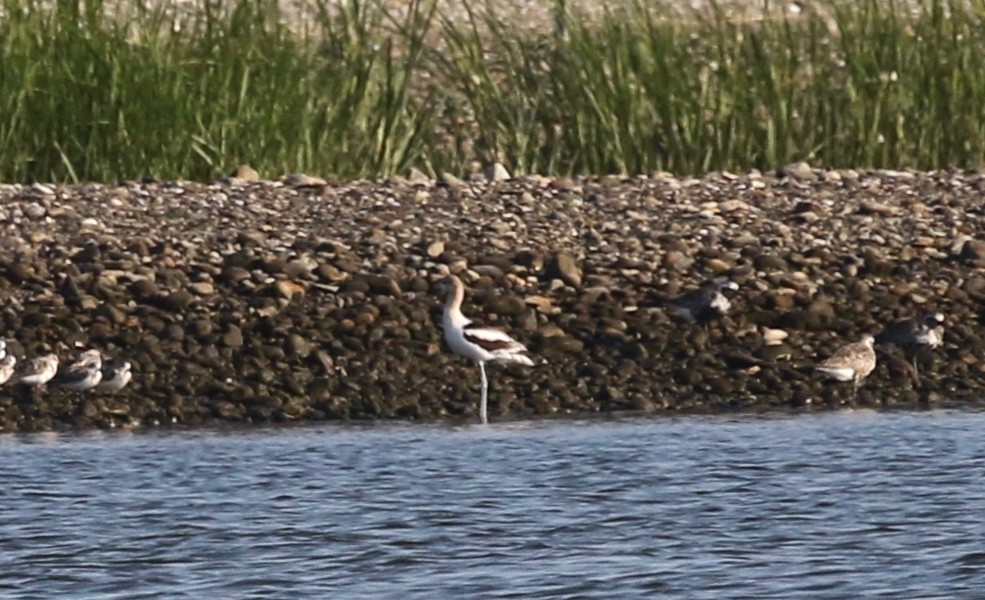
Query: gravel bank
[267,301]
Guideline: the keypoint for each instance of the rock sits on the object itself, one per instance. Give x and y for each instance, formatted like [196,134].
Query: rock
[435,249]
[245,174]
[202,288]
[973,250]
[774,337]
[35,211]
[300,180]
[449,180]
[178,301]
[233,337]
[288,289]
[296,346]
[564,267]
[497,172]
[770,262]
[416,177]
[800,171]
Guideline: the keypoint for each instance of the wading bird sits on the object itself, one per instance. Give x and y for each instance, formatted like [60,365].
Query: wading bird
[115,377]
[915,334]
[83,374]
[705,303]
[39,371]
[852,362]
[476,343]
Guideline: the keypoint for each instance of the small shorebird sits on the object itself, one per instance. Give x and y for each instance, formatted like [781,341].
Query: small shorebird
[852,362]
[914,334]
[478,344]
[115,377]
[7,368]
[39,371]
[83,374]
[705,303]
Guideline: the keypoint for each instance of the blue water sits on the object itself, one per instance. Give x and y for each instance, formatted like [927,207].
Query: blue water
[837,505]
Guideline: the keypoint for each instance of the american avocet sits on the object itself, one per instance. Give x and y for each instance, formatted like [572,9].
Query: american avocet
[7,368]
[83,374]
[852,362]
[115,377]
[912,335]
[39,371]
[705,303]
[478,344]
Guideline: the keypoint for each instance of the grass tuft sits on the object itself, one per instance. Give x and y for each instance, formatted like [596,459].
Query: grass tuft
[104,91]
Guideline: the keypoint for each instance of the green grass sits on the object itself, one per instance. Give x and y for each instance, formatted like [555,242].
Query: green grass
[364,93]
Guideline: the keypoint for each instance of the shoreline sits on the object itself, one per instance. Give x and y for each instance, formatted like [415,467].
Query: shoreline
[295,301]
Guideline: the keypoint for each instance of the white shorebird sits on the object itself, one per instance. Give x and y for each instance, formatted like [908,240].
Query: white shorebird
[115,377]
[705,303]
[7,368]
[852,362]
[83,374]
[912,335]
[475,343]
[39,371]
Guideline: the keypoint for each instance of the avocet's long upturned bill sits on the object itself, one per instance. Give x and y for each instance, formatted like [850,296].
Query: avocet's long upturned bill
[852,362]
[476,343]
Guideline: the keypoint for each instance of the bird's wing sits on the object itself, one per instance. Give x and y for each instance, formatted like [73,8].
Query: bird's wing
[493,340]
[72,375]
[844,356]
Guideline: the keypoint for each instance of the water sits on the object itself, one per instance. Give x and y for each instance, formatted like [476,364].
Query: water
[836,505]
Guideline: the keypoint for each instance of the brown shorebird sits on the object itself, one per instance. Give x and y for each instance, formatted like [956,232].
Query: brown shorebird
[39,371]
[852,362]
[477,343]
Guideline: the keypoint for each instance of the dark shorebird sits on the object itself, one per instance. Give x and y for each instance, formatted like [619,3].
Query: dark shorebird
[115,377]
[705,303]
[477,343]
[852,362]
[914,334]
[39,371]
[83,374]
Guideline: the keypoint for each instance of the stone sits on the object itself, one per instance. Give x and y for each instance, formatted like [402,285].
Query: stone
[233,337]
[800,171]
[245,173]
[564,267]
[497,172]
[300,180]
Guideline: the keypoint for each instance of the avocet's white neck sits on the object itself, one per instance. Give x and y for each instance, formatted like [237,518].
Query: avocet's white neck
[453,306]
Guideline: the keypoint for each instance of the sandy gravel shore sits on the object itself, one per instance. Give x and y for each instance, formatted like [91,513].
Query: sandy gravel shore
[265,301]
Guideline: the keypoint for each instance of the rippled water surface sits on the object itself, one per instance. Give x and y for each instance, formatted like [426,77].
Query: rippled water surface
[815,506]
